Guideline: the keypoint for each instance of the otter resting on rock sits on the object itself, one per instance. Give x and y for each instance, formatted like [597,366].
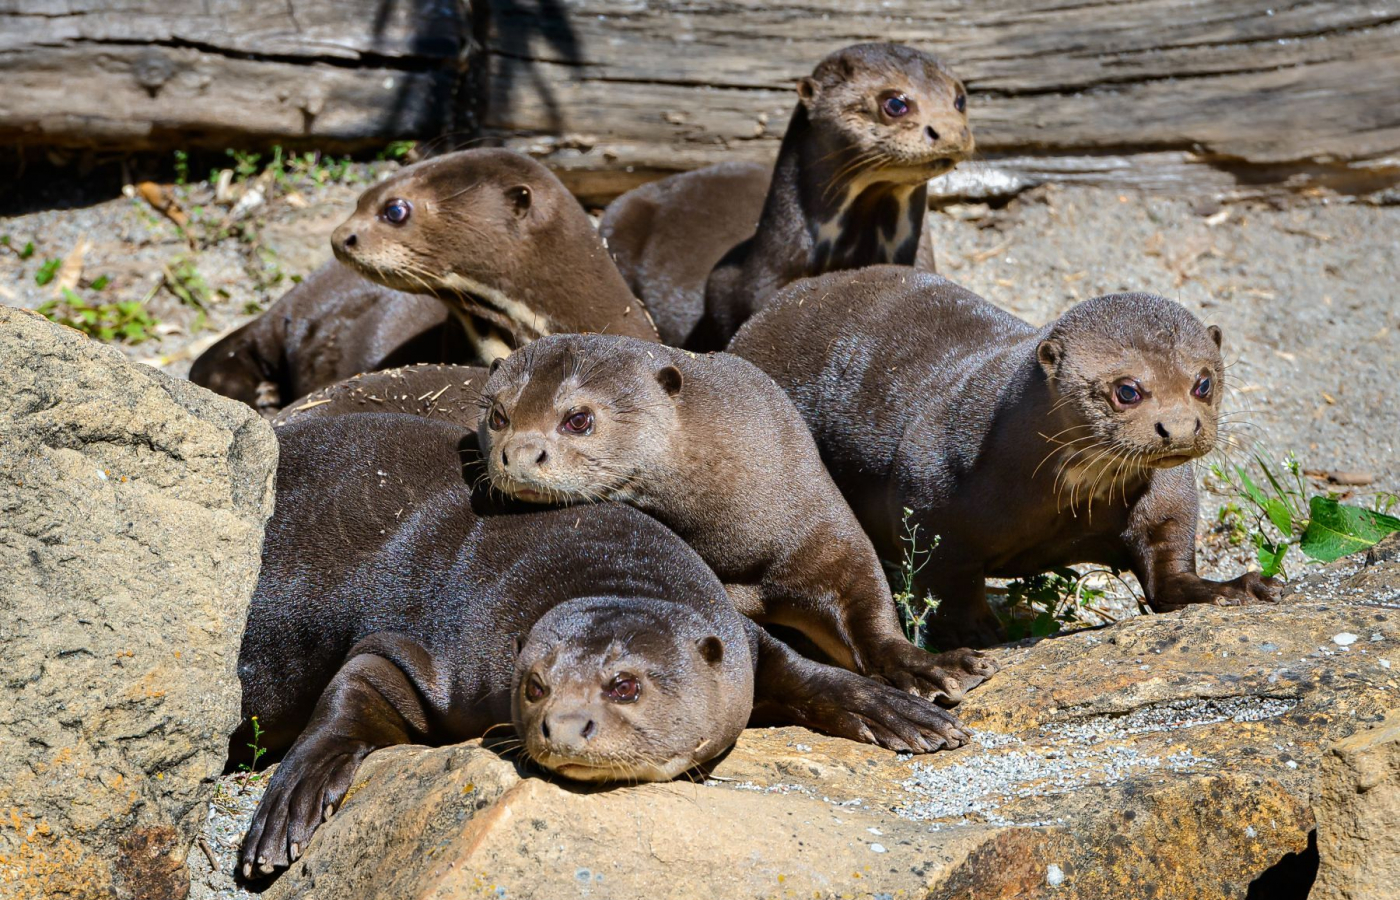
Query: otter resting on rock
[499,239]
[1020,448]
[873,124]
[711,447]
[396,605]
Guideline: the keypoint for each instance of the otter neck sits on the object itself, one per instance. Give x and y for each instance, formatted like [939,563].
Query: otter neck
[833,213]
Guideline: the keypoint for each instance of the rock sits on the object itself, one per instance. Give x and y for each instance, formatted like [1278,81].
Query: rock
[1358,816]
[1164,756]
[131,520]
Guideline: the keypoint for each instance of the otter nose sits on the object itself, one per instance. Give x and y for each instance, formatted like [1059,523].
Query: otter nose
[522,452]
[350,240]
[1178,430]
[931,134]
[570,730]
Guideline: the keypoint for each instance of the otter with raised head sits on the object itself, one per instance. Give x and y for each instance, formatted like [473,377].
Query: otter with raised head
[449,393]
[873,123]
[711,447]
[1020,448]
[391,610]
[332,325]
[501,241]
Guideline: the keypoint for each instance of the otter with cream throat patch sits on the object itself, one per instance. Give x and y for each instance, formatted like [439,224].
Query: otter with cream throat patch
[711,447]
[1020,448]
[873,124]
[499,239]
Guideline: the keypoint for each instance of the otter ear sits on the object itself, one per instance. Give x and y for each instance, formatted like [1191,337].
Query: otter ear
[495,364]
[711,649]
[517,643]
[520,198]
[807,90]
[670,379]
[1215,335]
[1049,353]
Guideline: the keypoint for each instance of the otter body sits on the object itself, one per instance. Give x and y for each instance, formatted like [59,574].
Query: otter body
[874,122]
[1012,444]
[333,325]
[449,393]
[711,447]
[500,240]
[395,605]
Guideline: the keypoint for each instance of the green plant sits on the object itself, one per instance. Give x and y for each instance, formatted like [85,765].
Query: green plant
[246,164]
[396,150]
[913,610]
[126,320]
[184,281]
[182,167]
[47,271]
[1042,604]
[100,282]
[23,253]
[1287,514]
[258,750]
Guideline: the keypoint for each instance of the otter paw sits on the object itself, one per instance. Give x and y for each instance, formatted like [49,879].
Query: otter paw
[865,710]
[304,792]
[1246,590]
[944,678]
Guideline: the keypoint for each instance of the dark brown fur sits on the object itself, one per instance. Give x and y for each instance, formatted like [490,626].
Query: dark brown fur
[449,393]
[501,241]
[710,446]
[1002,438]
[848,191]
[333,325]
[396,605]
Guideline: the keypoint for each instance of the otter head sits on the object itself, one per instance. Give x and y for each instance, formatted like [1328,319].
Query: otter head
[898,110]
[610,689]
[577,417]
[1136,383]
[467,224]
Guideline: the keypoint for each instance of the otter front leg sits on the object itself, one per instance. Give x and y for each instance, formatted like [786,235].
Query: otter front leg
[1161,543]
[792,690]
[371,703]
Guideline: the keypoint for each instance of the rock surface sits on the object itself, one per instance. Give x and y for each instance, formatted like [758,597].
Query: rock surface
[131,518]
[1358,817]
[1164,756]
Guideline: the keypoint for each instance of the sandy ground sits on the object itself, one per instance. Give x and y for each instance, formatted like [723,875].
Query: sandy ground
[1305,292]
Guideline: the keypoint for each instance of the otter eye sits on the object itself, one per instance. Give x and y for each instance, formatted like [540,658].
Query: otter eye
[497,419]
[960,103]
[578,421]
[534,689]
[1127,394]
[1202,389]
[623,689]
[396,212]
[896,106]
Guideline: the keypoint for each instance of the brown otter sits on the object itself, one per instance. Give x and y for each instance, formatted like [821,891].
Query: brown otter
[450,393]
[874,122]
[333,325]
[710,446]
[500,240]
[1020,448]
[395,605]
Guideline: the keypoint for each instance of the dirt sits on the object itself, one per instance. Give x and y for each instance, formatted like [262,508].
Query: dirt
[1303,289]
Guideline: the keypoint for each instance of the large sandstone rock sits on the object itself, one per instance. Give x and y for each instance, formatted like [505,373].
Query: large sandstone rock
[131,520]
[1171,756]
[1358,817]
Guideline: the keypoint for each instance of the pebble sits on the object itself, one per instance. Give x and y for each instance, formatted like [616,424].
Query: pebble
[878,848]
[1054,875]
[1345,639]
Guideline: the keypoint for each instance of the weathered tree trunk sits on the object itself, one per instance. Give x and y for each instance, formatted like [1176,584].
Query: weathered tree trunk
[613,92]
[156,74]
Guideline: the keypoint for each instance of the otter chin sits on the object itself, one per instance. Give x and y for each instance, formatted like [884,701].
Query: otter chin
[604,692]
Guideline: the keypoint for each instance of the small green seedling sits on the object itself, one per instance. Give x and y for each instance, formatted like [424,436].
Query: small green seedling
[125,320]
[47,271]
[258,750]
[913,610]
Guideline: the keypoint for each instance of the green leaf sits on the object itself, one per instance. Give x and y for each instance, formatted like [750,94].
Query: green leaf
[1044,625]
[28,250]
[1337,530]
[1251,489]
[47,271]
[1278,513]
[100,282]
[1270,557]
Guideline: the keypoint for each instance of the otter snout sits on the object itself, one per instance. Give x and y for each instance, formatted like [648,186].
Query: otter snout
[521,458]
[1178,430]
[344,240]
[568,731]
